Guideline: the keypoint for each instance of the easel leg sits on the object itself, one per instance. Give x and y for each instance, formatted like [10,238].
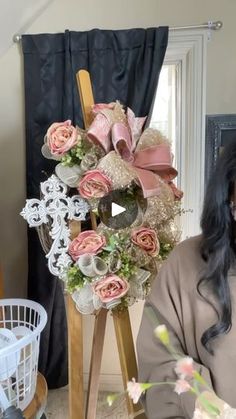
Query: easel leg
[127,356]
[95,363]
[75,347]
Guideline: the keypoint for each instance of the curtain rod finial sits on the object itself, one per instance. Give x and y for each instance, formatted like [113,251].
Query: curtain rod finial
[16,37]
[218,25]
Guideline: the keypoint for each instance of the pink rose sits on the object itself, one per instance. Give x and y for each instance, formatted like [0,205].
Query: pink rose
[94,185]
[87,242]
[61,137]
[110,288]
[146,239]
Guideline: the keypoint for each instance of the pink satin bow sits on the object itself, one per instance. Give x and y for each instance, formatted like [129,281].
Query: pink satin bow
[149,162]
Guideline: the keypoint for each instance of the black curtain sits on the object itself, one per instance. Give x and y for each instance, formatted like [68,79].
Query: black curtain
[124,65]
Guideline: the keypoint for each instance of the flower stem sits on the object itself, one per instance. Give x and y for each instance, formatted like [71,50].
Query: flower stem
[146,386]
[197,376]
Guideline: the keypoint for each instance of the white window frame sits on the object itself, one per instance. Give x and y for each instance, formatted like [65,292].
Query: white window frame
[187,50]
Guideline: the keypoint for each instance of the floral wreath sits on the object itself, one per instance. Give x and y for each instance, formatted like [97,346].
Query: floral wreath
[114,267]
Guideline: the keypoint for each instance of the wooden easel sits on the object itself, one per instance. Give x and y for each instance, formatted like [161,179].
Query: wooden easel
[75,327]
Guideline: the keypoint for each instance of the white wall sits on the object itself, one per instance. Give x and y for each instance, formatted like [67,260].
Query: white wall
[82,15]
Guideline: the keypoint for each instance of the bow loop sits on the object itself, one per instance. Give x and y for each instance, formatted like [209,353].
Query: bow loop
[122,141]
[157,158]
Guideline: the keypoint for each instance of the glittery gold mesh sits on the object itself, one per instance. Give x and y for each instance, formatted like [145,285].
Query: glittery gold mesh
[151,137]
[169,233]
[119,172]
[117,114]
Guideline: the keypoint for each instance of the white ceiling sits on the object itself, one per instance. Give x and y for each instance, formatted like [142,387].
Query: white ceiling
[16,16]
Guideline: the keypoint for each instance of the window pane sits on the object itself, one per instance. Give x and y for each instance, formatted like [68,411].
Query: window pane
[164,113]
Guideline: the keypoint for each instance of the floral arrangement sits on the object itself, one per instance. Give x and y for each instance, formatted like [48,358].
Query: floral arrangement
[120,263]
[207,405]
[113,267]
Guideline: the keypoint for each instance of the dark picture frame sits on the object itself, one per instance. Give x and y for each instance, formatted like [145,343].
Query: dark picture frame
[220,129]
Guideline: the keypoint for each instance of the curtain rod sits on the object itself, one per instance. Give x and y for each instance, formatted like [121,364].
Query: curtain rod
[209,25]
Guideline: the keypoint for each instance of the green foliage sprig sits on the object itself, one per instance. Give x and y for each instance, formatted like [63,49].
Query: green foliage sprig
[165,249]
[75,279]
[75,154]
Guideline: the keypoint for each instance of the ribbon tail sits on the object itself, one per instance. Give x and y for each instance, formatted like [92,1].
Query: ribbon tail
[149,182]
[177,192]
[135,124]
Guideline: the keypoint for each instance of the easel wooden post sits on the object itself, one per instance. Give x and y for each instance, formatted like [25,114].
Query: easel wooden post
[75,352]
[121,323]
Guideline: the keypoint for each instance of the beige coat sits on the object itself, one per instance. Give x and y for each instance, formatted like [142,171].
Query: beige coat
[187,315]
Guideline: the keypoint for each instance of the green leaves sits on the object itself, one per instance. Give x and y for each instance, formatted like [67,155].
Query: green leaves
[112,244]
[75,279]
[75,154]
[119,242]
[165,249]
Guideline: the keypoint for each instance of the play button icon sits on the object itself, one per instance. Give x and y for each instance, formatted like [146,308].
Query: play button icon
[118,209]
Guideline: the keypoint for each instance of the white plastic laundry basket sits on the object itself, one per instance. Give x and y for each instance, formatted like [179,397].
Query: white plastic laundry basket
[21,322]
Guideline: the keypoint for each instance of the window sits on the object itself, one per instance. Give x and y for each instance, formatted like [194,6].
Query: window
[165,111]
[179,112]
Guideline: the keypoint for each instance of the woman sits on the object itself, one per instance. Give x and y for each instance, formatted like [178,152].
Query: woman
[195,296]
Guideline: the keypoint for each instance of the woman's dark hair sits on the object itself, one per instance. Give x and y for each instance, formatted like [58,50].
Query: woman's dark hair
[218,241]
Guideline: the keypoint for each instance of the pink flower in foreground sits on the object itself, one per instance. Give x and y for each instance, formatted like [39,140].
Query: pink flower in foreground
[87,242]
[184,367]
[134,390]
[146,239]
[94,185]
[61,137]
[110,288]
[181,386]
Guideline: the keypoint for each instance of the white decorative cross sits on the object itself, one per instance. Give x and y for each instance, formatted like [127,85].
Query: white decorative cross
[57,207]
